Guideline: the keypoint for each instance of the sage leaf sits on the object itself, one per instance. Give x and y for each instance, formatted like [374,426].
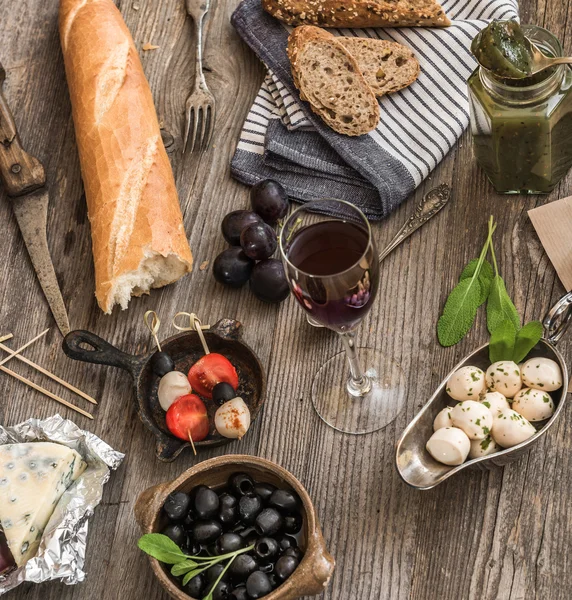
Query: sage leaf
[459,312]
[486,277]
[192,574]
[162,548]
[183,567]
[526,339]
[500,307]
[501,346]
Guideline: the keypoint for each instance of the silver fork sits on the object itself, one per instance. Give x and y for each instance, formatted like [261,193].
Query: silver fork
[200,108]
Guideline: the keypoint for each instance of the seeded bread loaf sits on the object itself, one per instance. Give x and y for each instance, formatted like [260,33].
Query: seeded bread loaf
[329,78]
[386,66]
[358,13]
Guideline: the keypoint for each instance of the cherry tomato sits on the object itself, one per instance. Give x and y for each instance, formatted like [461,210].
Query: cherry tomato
[210,370]
[187,417]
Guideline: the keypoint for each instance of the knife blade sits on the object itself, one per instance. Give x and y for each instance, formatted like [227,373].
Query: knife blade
[24,180]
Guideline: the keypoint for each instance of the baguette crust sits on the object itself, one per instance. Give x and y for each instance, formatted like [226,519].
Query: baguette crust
[358,13]
[324,100]
[138,236]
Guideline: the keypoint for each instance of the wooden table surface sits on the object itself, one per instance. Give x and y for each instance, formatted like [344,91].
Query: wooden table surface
[502,534]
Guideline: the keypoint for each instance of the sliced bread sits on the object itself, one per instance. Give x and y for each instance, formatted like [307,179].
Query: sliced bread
[358,13]
[386,66]
[330,79]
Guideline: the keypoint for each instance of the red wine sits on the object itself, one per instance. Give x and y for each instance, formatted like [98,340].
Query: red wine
[337,272]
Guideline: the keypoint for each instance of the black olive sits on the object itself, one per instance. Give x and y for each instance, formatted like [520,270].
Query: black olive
[285,566]
[241,484]
[285,501]
[177,506]
[274,581]
[223,392]
[266,567]
[205,503]
[266,548]
[286,541]
[162,363]
[228,510]
[192,548]
[294,552]
[175,532]
[264,490]
[293,523]
[207,532]
[239,593]
[195,586]
[229,542]
[214,572]
[269,522]
[249,508]
[242,566]
[249,534]
[258,585]
[221,591]
[188,521]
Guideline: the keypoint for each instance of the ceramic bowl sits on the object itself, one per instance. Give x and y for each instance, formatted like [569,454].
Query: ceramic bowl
[316,568]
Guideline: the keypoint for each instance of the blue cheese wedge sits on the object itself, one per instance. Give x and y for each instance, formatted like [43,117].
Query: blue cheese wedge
[33,478]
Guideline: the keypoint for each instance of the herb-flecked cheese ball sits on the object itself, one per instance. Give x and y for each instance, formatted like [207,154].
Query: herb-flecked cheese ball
[449,446]
[542,374]
[511,428]
[504,377]
[474,418]
[467,383]
[495,402]
[534,405]
[443,419]
[483,447]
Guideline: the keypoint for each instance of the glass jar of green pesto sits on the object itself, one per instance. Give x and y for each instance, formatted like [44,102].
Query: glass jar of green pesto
[522,128]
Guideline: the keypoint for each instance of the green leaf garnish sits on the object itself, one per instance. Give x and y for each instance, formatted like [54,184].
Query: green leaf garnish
[485,277]
[500,307]
[526,339]
[162,548]
[183,567]
[501,346]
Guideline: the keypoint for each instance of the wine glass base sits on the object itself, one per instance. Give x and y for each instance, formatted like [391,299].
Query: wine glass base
[365,414]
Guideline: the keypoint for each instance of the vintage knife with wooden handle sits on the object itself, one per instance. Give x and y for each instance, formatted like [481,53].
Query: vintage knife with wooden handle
[24,180]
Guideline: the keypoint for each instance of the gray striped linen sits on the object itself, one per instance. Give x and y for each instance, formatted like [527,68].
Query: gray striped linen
[283,139]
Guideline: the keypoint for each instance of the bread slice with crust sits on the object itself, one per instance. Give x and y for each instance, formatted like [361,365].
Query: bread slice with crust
[386,66]
[330,79]
[358,13]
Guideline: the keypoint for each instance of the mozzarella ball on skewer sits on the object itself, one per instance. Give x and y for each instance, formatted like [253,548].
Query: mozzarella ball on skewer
[449,446]
[483,447]
[504,377]
[534,405]
[511,428]
[466,384]
[443,419]
[474,418]
[542,374]
[232,419]
[173,385]
[495,402]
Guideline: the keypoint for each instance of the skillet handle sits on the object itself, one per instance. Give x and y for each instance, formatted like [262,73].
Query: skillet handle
[558,319]
[228,328]
[102,352]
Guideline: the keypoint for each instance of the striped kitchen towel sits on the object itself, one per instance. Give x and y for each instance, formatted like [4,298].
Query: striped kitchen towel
[283,139]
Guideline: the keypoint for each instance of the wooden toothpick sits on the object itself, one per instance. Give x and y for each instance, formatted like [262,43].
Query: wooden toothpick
[14,353]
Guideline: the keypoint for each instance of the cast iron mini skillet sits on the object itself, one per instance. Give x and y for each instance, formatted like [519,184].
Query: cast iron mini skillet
[185,349]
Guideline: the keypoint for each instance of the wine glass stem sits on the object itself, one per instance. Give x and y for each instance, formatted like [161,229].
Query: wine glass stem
[358,383]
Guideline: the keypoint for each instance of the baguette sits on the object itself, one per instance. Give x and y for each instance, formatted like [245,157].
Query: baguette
[329,78]
[386,66]
[138,237]
[358,13]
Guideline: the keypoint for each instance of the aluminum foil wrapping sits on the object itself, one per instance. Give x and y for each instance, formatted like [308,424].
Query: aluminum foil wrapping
[62,551]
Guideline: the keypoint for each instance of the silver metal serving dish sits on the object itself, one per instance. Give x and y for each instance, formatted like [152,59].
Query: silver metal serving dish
[420,470]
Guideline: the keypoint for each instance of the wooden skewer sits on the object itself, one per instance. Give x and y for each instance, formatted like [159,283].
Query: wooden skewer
[45,392]
[14,353]
[8,336]
[192,443]
[69,386]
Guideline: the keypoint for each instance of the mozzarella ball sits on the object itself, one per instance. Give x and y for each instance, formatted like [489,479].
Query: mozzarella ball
[534,405]
[483,447]
[173,385]
[495,402]
[542,374]
[449,446]
[474,418]
[466,384]
[232,419]
[443,419]
[504,377]
[510,429]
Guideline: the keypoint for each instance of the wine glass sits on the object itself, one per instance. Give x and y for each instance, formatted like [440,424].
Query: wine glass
[332,267]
